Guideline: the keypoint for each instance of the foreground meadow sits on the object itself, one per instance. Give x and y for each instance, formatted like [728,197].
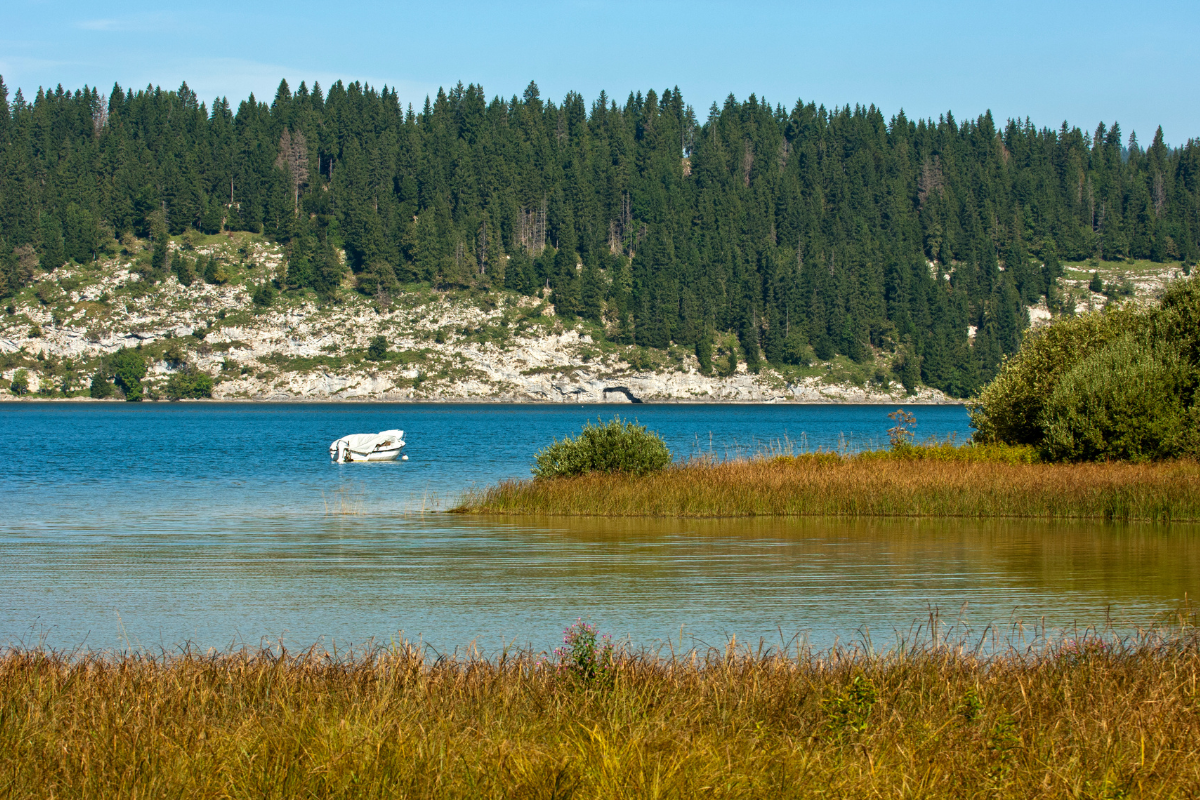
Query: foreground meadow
[1086,717]
[869,484]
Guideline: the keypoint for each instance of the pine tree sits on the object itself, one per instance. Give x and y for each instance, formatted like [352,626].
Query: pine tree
[809,232]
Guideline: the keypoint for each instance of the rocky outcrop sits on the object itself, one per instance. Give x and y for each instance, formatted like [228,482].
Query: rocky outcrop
[624,390]
[502,347]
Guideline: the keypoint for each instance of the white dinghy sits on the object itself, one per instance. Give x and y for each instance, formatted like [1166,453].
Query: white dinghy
[382,446]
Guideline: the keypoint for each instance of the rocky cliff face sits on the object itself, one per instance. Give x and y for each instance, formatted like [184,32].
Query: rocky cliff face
[440,346]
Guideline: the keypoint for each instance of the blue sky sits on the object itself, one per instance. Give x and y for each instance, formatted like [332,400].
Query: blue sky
[1138,63]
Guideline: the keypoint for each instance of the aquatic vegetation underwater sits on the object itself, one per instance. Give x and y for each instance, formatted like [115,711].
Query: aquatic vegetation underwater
[1090,714]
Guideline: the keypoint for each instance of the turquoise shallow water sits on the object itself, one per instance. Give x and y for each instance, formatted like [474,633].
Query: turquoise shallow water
[152,526]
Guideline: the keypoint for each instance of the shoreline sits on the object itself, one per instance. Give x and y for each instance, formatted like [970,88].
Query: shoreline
[468,401]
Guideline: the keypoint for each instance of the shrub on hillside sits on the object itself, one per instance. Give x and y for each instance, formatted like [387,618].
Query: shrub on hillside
[184,270]
[215,272]
[1178,318]
[377,350]
[263,295]
[619,446]
[377,277]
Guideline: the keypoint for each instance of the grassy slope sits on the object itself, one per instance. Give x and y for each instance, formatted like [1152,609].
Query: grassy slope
[867,485]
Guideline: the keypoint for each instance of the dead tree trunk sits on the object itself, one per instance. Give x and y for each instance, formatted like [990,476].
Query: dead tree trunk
[293,160]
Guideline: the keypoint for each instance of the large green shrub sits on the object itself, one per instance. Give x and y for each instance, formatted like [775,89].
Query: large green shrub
[1009,409]
[1126,401]
[129,367]
[100,387]
[1178,318]
[1121,384]
[618,446]
[189,383]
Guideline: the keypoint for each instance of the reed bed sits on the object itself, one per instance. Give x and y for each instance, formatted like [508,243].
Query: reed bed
[1085,717]
[870,484]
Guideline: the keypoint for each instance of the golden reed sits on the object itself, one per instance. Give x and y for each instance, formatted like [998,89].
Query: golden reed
[870,484]
[1090,717]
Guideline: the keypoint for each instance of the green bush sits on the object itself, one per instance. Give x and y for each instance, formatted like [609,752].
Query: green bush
[377,350]
[263,295]
[619,446]
[20,383]
[1178,318]
[730,366]
[214,272]
[1125,401]
[189,383]
[101,387]
[129,367]
[184,270]
[1121,384]
[907,369]
[158,260]
[704,354]
[378,276]
[1009,409]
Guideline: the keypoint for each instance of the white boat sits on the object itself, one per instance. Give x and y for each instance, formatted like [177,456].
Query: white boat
[382,446]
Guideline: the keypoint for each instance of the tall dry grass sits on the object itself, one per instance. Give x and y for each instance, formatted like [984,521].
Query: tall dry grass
[1087,718]
[826,484]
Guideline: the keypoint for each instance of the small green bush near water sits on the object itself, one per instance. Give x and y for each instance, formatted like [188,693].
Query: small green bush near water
[618,446]
[189,383]
[129,367]
[20,383]
[101,387]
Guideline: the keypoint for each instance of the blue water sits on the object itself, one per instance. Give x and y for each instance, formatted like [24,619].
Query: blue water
[177,466]
[149,526]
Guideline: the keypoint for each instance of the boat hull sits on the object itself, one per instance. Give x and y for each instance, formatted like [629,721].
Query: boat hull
[387,454]
[391,454]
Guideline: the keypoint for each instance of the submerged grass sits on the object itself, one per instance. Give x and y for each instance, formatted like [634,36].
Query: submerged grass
[1085,717]
[939,481]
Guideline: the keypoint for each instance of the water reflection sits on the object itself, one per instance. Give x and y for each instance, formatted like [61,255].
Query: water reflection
[505,580]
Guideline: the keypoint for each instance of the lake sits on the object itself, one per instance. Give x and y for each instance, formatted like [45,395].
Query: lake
[128,526]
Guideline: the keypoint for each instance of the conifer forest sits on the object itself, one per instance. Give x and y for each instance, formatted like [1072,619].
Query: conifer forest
[805,231]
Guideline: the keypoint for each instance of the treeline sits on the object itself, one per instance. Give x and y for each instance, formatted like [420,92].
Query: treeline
[806,232]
